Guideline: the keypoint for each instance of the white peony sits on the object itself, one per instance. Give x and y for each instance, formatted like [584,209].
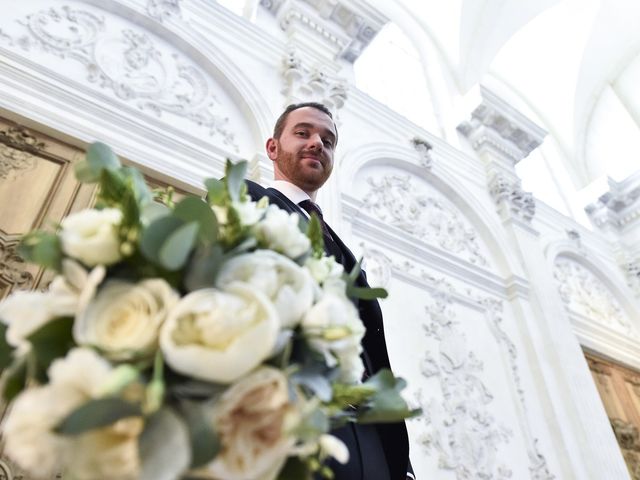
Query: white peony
[106,453]
[279,231]
[331,446]
[286,284]
[91,236]
[26,312]
[251,420]
[220,336]
[124,318]
[334,329]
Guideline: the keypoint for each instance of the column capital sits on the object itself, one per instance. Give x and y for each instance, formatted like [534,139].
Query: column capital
[500,131]
[335,29]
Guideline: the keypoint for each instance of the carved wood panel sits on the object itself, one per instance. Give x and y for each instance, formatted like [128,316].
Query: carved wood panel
[619,388]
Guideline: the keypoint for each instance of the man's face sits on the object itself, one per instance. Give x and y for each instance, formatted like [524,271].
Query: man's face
[303,155]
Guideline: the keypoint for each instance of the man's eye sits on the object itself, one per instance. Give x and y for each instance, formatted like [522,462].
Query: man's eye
[300,133]
[327,143]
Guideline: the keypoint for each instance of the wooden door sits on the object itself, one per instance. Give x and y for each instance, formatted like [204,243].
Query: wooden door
[619,388]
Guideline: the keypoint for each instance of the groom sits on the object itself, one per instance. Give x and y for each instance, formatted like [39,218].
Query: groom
[302,148]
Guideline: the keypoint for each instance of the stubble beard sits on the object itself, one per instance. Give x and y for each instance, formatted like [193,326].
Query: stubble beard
[290,166]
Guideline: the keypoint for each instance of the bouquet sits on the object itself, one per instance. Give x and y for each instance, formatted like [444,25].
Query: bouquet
[193,339]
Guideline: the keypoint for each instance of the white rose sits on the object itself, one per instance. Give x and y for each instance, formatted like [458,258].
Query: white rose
[251,419]
[124,318]
[331,446]
[220,336]
[26,312]
[106,453]
[279,231]
[333,328]
[324,268]
[91,236]
[286,284]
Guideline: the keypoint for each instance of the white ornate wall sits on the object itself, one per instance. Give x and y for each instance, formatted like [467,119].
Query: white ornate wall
[492,292]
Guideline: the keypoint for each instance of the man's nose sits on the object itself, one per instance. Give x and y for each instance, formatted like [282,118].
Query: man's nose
[315,141]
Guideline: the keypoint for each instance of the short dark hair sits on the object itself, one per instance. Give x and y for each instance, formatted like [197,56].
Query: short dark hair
[282,119]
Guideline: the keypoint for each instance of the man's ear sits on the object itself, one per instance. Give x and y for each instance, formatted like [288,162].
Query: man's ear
[272,149]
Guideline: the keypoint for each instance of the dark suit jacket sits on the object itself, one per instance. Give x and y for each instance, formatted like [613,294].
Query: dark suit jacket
[364,442]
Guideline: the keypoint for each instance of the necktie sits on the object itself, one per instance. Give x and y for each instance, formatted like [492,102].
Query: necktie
[311,207]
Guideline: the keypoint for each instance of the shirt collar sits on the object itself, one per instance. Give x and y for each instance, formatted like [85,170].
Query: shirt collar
[291,191]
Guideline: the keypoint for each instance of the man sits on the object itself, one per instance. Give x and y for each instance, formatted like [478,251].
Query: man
[302,148]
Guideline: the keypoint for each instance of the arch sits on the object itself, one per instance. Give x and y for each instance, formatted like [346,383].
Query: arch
[485,221]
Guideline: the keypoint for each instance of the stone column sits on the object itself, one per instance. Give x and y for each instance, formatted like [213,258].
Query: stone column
[578,425]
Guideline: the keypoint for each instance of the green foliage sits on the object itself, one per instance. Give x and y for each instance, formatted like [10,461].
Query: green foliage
[363,293]
[194,209]
[205,443]
[14,379]
[314,378]
[314,232]
[53,340]
[386,405]
[99,157]
[216,191]
[295,469]
[164,447]
[175,250]
[42,248]
[313,424]
[97,413]
[203,268]
[6,350]
[234,179]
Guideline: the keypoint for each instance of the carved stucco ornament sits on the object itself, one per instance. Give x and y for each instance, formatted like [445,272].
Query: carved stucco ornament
[508,195]
[396,201]
[163,10]
[585,294]
[17,146]
[462,432]
[311,83]
[130,63]
[425,151]
[460,429]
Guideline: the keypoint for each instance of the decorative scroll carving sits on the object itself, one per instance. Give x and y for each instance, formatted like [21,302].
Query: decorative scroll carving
[510,196]
[583,293]
[130,64]
[163,10]
[394,200]
[424,149]
[17,146]
[629,441]
[632,270]
[462,431]
[12,266]
[303,83]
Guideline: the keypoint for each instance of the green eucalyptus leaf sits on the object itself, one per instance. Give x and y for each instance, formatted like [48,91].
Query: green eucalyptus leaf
[216,191]
[355,271]
[97,413]
[386,405]
[154,236]
[294,469]
[138,185]
[176,249]
[315,379]
[203,268]
[152,211]
[42,248]
[53,340]
[312,425]
[365,293]
[194,209]
[14,379]
[235,173]
[314,232]
[99,157]
[6,350]
[205,443]
[164,447]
